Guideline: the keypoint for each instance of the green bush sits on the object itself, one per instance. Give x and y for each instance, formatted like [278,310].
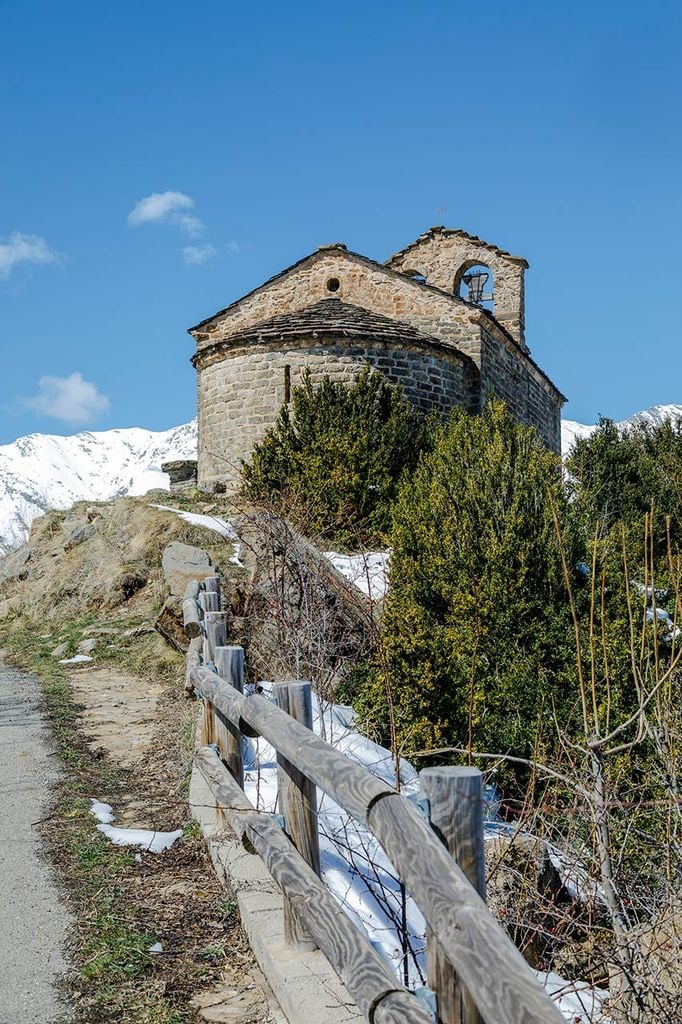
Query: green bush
[337,456]
[619,476]
[477,627]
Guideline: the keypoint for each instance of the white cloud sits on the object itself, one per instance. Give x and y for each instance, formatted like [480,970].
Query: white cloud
[19,248]
[233,247]
[166,208]
[191,224]
[196,255]
[70,399]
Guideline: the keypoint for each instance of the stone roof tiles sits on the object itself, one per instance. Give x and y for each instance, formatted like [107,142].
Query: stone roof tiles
[333,318]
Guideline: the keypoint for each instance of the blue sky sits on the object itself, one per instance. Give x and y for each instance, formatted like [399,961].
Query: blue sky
[553,130]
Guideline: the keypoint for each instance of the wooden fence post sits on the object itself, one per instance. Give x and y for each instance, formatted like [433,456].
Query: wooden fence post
[298,803]
[229,662]
[216,633]
[455,796]
[209,601]
[212,586]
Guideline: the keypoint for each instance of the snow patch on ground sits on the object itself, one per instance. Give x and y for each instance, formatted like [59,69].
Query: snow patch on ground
[360,876]
[103,812]
[146,839]
[78,659]
[367,571]
[578,1001]
[153,842]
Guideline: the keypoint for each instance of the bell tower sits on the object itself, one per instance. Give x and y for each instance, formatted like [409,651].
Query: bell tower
[471,269]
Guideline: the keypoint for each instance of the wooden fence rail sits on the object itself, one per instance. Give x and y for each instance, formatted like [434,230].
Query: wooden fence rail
[474,970]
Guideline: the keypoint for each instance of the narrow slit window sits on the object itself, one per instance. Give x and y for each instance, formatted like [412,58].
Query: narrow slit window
[287,384]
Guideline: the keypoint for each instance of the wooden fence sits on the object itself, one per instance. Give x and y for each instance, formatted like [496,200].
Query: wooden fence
[474,972]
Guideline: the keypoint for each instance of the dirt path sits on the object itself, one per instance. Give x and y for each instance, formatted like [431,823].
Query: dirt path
[118,714]
[33,921]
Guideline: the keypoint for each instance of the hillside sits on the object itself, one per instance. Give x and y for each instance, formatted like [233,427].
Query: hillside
[46,471]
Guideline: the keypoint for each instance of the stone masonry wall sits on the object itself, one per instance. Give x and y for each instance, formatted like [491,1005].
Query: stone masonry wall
[506,377]
[443,258]
[369,286]
[242,390]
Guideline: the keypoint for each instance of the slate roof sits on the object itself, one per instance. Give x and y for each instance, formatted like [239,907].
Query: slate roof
[333,318]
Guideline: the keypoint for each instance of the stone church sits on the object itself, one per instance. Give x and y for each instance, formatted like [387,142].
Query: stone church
[444,317]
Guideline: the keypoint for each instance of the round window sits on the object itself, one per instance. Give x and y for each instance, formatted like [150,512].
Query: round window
[333,284]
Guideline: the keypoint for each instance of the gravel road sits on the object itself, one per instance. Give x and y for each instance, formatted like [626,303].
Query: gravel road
[33,921]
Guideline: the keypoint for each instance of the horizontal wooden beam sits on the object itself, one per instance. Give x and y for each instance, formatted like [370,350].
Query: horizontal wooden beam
[366,975]
[498,978]
[191,617]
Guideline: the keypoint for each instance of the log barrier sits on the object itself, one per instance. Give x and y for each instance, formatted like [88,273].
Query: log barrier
[475,974]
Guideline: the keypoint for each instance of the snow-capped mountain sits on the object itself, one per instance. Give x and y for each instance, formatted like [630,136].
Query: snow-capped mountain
[45,471]
[572,431]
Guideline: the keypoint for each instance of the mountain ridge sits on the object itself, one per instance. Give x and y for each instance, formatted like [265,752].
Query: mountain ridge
[571,430]
[39,472]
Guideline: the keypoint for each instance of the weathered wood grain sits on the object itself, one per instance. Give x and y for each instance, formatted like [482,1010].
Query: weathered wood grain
[499,979]
[192,661]
[207,723]
[209,601]
[211,584]
[352,786]
[455,796]
[223,696]
[190,617]
[392,1008]
[216,633]
[229,662]
[366,975]
[297,799]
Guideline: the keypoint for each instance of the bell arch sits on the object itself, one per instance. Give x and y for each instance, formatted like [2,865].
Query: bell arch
[474,282]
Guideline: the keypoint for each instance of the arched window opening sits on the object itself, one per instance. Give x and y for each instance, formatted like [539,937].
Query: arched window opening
[474,284]
[415,275]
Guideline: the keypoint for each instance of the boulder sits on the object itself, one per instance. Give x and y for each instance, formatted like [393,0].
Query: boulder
[78,535]
[182,473]
[15,565]
[60,650]
[87,646]
[183,563]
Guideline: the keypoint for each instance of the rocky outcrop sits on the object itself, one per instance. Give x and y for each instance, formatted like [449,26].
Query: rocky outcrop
[182,563]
